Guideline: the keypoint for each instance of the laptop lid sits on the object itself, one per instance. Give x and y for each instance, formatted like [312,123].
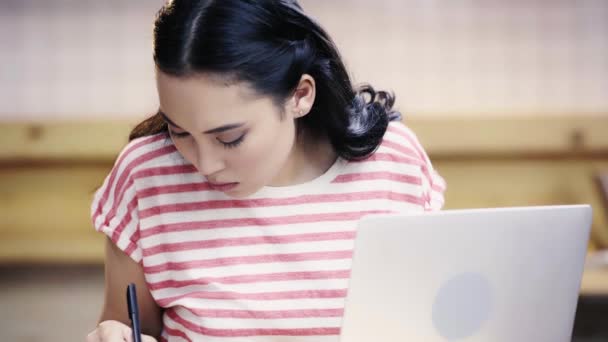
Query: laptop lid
[504,274]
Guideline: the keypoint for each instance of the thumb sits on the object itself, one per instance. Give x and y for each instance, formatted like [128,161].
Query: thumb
[146,338]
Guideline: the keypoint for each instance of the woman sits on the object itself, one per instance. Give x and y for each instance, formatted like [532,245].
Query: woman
[234,208]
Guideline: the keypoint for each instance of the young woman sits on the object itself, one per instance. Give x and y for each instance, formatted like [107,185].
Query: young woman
[234,208]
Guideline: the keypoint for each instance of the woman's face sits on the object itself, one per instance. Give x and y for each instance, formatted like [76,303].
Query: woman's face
[237,140]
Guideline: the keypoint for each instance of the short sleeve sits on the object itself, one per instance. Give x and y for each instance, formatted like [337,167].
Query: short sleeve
[433,184]
[114,207]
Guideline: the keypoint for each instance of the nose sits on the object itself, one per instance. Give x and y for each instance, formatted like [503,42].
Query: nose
[208,161]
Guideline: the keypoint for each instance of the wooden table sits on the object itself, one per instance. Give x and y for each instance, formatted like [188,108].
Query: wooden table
[595,282]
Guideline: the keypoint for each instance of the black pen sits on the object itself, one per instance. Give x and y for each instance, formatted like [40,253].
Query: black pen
[133,312]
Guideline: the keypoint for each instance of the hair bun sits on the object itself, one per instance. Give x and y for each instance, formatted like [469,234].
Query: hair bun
[369,115]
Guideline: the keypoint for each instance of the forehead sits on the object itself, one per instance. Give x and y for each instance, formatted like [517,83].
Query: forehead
[206,95]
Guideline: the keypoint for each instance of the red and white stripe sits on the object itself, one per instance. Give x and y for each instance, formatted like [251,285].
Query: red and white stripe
[271,267]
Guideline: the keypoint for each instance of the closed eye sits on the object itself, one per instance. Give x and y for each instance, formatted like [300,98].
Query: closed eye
[233,143]
[179,134]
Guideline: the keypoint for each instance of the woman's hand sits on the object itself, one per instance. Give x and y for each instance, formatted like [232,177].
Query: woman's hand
[114,331]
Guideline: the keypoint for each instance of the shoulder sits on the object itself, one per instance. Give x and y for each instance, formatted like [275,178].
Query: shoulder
[402,144]
[114,206]
[139,154]
[400,141]
[398,152]
[142,151]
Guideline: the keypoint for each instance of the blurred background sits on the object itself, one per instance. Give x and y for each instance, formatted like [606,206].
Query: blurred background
[510,98]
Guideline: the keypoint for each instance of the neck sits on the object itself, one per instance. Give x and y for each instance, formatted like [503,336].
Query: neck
[309,159]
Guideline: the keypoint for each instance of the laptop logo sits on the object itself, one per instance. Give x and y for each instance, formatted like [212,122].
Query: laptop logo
[462,305]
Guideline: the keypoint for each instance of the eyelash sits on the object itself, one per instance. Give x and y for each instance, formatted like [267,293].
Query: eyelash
[179,135]
[233,143]
[230,144]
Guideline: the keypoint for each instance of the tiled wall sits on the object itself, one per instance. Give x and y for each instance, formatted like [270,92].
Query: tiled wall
[76,58]
[90,59]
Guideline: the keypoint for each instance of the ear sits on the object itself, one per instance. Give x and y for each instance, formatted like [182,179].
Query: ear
[303,97]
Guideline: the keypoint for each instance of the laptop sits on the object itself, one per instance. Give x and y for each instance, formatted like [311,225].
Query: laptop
[502,274]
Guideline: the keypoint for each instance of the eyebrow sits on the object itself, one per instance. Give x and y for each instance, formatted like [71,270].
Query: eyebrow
[211,131]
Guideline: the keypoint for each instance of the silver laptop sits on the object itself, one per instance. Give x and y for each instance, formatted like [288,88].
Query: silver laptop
[505,274]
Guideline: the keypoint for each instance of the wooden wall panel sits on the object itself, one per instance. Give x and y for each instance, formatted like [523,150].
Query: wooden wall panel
[48,173]
[45,213]
[502,183]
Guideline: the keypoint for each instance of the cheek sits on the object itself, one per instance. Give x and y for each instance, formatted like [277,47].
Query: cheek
[252,155]
[186,149]
[263,152]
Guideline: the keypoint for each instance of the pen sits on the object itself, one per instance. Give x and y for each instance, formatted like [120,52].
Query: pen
[133,312]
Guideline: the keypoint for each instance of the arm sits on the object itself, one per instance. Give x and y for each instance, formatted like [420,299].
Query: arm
[120,270]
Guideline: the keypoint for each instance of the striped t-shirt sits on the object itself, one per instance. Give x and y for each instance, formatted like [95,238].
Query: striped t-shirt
[270,267]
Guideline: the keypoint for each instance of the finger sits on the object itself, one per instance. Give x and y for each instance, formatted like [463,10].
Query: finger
[113,331]
[93,337]
[128,336]
[146,338]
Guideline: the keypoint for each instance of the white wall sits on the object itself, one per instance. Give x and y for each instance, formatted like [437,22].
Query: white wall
[91,59]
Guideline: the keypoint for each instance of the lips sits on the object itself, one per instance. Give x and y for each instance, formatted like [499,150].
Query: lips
[222,186]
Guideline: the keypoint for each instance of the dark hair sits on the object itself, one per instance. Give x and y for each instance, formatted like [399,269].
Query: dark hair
[270,44]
